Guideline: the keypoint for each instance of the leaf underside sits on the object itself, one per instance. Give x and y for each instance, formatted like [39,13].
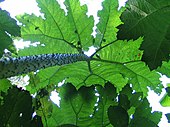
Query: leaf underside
[110,84]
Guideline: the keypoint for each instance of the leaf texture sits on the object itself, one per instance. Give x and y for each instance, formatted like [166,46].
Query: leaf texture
[57,27]
[143,116]
[76,106]
[119,61]
[109,20]
[107,88]
[122,51]
[142,18]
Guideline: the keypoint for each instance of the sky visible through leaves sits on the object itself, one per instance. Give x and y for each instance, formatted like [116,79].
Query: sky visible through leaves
[20,8]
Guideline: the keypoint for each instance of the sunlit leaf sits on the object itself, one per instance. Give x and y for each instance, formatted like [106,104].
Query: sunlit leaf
[165,101]
[81,25]
[67,31]
[122,51]
[109,20]
[165,68]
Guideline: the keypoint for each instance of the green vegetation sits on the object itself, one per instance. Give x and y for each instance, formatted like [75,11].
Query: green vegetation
[107,89]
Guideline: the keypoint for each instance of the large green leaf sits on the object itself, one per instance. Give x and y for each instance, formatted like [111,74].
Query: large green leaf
[8,28]
[114,77]
[142,18]
[119,74]
[121,67]
[119,63]
[67,31]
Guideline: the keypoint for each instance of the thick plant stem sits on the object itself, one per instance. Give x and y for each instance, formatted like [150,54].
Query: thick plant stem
[22,65]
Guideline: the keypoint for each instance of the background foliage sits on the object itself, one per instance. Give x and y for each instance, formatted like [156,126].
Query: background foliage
[110,91]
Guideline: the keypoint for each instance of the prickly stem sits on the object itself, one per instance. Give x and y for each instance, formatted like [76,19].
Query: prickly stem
[22,65]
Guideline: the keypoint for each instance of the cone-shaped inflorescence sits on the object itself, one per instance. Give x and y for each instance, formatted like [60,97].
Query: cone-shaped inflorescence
[21,65]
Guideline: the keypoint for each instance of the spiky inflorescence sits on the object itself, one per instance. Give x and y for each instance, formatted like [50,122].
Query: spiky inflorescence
[21,65]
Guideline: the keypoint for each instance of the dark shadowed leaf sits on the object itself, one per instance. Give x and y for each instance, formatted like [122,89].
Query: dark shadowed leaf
[8,28]
[123,101]
[37,122]
[168,117]
[118,116]
[168,91]
[107,97]
[16,108]
[142,18]
[67,125]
